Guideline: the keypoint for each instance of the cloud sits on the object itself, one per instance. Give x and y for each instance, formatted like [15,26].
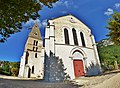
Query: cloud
[64,12]
[44,23]
[57,3]
[31,22]
[117,5]
[75,6]
[109,11]
[66,3]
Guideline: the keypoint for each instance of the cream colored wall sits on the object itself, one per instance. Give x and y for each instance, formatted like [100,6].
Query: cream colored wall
[32,61]
[29,44]
[64,22]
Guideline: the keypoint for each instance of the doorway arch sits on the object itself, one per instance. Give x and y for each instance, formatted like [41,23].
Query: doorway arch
[78,58]
[78,64]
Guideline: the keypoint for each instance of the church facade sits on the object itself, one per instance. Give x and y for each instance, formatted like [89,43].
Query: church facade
[66,38]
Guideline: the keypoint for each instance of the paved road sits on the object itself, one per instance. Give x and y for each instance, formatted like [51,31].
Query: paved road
[10,83]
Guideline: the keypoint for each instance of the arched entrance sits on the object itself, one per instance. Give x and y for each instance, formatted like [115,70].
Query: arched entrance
[78,64]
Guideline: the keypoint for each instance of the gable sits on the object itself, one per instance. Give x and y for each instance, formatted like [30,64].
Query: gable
[35,32]
[72,21]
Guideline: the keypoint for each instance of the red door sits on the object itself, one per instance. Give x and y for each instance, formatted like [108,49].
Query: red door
[78,68]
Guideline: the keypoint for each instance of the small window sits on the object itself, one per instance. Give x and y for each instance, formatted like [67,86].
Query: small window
[75,36]
[33,48]
[36,49]
[32,69]
[34,42]
[35,33]
[66,36]
[35,55]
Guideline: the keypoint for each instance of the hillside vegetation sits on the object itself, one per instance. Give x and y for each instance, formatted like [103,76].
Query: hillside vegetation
[9,68]
[108,53]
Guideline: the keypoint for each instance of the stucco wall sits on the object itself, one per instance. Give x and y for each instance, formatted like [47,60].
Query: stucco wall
[64,53]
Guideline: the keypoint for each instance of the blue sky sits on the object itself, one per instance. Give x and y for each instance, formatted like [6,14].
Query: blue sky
[94,13]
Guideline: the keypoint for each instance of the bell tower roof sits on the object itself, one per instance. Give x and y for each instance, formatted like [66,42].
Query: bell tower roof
[35,32]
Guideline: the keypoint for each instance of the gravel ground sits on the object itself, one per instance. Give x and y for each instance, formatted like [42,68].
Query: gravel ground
[107,80]
[113,82]
[10,83]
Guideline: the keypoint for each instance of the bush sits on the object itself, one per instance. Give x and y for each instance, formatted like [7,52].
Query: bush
[1,69]
[14,71]
[111,67]
[6,73]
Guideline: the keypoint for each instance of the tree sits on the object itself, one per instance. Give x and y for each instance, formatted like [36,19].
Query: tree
[54,69]
[114,27]
[108,55]
[14,12]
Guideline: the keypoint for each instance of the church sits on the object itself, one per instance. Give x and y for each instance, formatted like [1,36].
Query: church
[67,41]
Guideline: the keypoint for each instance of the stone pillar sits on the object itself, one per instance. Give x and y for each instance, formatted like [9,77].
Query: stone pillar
[116,65]
[22,66]
[47,41]
[21,70]
[96,53]
[49,51]
[52,38]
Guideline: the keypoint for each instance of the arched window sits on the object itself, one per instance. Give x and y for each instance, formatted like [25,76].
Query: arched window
[66,36]
[26,58]
[36,49]
[75,36]
[35,55]
[82,38]
[32,69]
[36,43]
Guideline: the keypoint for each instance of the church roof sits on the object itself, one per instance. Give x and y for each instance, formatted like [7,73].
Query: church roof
[35,32]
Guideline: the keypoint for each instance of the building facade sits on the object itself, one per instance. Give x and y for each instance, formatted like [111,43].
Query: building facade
[68,39]
[31,64]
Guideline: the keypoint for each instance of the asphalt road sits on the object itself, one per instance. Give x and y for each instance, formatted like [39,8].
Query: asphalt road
[10,83]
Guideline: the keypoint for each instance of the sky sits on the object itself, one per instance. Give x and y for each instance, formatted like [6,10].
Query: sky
[93,13]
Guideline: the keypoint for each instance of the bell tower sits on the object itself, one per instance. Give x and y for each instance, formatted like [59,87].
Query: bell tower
[31,62]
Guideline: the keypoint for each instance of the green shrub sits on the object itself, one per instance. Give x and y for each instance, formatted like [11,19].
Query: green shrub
[1,69]
[14,71]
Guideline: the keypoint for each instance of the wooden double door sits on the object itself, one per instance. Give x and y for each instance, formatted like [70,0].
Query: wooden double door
[78,68]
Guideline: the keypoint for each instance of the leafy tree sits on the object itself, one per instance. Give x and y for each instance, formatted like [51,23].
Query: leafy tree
[6,67]
[109,54]
[15,64]
[114,27]
[9,68]
[14,12]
